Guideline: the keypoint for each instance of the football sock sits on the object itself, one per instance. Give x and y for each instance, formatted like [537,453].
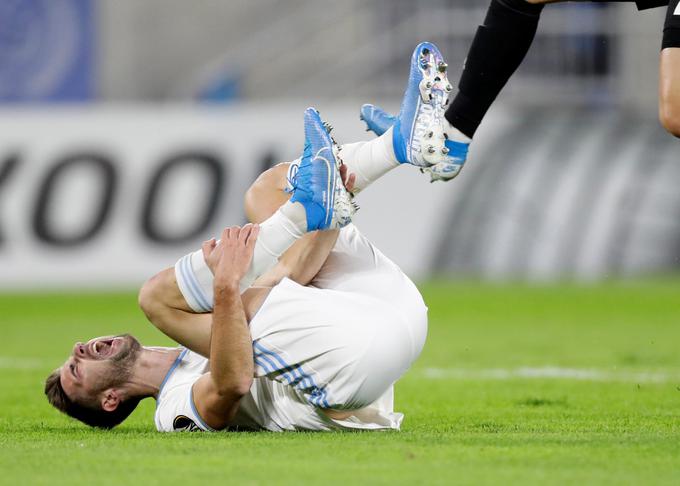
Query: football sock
[452,133]
[277,234]
[369,160]
[498,48]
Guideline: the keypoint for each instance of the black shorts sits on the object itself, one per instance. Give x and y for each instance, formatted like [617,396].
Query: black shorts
[671,27]
[641,4]
[645,4]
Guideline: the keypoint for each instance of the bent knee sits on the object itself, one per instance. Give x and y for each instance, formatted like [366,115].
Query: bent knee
[266,194]
[146,298]
[156,293]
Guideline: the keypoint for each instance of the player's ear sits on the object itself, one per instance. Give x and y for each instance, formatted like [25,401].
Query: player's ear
[110,400]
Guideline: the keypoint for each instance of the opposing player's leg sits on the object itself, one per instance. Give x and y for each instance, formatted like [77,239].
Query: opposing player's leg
[497,50]
[669,75]
[171,299]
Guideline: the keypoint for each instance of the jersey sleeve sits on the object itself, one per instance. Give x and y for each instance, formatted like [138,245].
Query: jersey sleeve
[176,412]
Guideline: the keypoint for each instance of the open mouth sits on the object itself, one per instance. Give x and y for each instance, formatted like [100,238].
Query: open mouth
[102,348]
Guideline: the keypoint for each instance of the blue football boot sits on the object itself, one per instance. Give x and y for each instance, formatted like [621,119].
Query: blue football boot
[451,167]
[418,137]
[317,185]
[377,120]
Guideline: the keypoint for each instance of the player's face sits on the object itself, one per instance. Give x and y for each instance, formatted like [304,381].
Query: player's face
[98,364]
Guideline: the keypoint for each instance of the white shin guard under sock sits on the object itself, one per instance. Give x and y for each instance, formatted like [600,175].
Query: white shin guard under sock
[277,234]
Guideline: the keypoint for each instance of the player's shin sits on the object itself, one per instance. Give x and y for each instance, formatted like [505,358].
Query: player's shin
[369,160]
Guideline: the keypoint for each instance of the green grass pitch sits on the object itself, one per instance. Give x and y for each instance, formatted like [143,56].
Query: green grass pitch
[517,385]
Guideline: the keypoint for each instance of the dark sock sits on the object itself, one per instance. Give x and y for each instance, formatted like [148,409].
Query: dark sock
[497,50]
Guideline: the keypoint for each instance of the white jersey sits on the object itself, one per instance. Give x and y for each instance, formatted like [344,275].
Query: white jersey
[270,405]
[339,343]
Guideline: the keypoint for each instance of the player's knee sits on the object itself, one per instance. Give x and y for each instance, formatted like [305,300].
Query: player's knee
[669,115]
[266,194]
[145,298]
[152,295]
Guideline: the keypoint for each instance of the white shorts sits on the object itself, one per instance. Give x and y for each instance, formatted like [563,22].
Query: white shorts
[348,336]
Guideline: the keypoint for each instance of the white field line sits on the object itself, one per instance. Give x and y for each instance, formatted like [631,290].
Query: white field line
[542,373]
[553,373]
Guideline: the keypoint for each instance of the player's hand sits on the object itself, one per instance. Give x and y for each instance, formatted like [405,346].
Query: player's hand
[229,259]
[347,179]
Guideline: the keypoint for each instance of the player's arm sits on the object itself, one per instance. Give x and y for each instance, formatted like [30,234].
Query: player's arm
[164,305]
[216,394]
[161,299]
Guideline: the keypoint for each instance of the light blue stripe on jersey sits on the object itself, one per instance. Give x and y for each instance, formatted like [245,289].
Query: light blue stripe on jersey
[290,375]
[319,395]
[177,361]
[192,284]
[300,377]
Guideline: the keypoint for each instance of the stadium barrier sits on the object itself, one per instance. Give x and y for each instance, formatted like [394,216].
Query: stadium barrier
[100,197]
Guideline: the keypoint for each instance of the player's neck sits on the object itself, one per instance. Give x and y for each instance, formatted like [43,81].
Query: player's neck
[150,370]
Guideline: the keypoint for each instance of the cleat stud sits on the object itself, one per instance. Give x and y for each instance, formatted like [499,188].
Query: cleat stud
[428,85]
[449,87]
[430,149]
[430,134]
[445,150]
[442,67]
[425,52]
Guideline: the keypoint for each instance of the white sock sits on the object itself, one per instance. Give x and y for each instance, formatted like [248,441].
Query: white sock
[369,160]
[277,234]
[454,134]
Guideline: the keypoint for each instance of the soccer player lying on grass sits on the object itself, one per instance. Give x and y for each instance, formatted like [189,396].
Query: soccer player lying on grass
[283,330]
